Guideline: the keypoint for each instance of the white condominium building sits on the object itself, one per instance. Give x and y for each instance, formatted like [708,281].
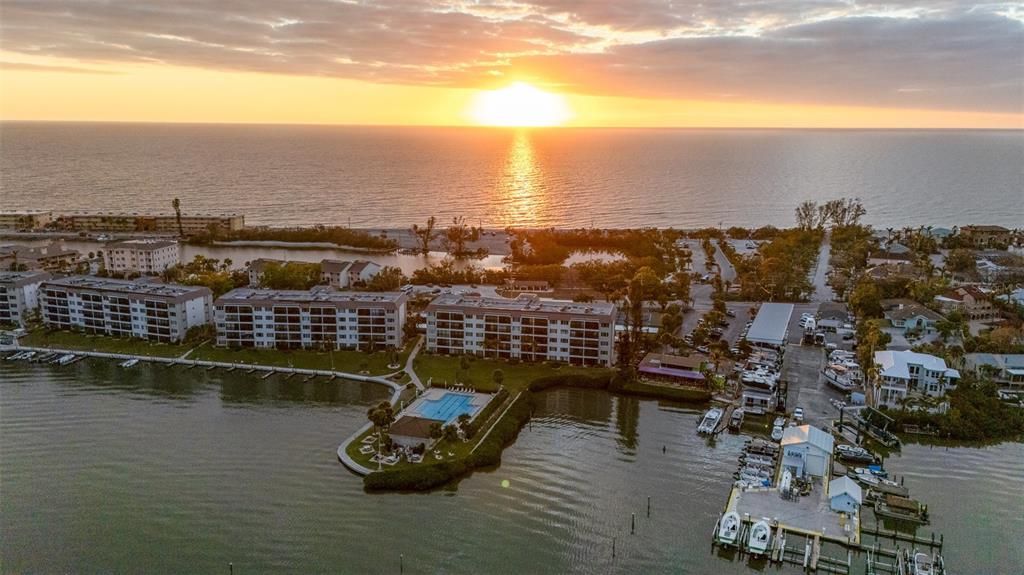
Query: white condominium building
[527,328]
[142,256]
[319,318]
[19,295]
[905,373]
[125,308]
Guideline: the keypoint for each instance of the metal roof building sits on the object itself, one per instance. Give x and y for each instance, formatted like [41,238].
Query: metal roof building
[771,325]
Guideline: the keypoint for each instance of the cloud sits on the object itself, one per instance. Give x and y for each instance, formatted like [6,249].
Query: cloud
[5,65]
[941,54]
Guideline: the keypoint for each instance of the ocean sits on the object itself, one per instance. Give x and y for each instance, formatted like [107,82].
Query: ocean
[393,177]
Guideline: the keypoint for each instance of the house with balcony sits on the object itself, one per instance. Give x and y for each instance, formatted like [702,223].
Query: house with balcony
[903,375]
[19,295]
[970,301]
[343,274]
[1006,369]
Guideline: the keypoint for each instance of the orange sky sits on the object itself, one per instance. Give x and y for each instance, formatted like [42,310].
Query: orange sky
[160,93]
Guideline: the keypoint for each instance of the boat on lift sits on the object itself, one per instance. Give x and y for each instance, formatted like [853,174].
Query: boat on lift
[760,537]
[728,529]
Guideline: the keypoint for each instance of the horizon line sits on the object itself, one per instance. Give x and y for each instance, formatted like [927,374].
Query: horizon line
[512,128]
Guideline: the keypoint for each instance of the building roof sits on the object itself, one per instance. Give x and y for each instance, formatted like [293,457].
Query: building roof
[897,364]
[808,434]
[334,266]
[141,244]
[771,324]
[671,372]
[142,286]
[845,486]
[412,426]
[36,253]
[22,278]
[315,295]
[986,229]
[525,303]
[690,362]
[833,310]
[903,308]
[359,265]
[996,360]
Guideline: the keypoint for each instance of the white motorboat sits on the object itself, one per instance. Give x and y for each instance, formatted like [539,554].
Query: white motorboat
[854,453]
[760,537]
[879,484]
[66,359]
[839,377]
[710,421]
[130,363]
[777,432]
[923,564]
[729,528]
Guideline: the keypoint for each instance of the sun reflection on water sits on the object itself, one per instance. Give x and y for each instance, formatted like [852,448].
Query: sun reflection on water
[522,197]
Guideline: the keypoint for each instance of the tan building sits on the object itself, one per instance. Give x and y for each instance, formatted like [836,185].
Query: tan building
[527,328]
[143,256]
[122,222]
[25,219]
[54,257]
[343,274]
[986,236]
[124,308]
[321,317]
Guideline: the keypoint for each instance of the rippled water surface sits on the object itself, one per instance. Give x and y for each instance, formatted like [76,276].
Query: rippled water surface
[565,177]
[162,470]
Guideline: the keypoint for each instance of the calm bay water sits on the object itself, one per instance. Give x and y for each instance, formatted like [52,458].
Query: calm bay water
[163,470]
[569,177]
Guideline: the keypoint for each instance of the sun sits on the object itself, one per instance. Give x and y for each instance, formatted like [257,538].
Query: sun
[520,104]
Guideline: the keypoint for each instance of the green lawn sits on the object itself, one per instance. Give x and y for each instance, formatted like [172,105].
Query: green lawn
[346,360]
[73,340]
[480,373]
[443,447]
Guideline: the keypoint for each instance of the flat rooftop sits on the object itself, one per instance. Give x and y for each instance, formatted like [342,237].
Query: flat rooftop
[312,296]
[771,324]
[128,286]
[142,244]
[17,277]
[525,303]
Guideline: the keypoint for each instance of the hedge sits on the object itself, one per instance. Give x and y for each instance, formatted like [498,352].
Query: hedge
[497,401]
[488,453]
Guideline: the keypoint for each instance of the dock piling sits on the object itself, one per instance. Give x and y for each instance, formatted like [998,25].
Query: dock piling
[648,505]
[632,526]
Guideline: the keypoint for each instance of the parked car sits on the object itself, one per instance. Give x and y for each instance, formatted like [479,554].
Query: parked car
[798,414]
[730,313]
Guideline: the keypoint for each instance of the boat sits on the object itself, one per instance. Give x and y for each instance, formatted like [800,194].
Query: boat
[902,508]
[777,432]
[130,363]
[855,453]
[839,377]
[736,421]
[710,421]
[923,564]
[760,537]
[729,529]
[65,359]
[871,481]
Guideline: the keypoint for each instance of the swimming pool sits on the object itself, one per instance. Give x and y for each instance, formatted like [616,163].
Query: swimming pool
[448,407]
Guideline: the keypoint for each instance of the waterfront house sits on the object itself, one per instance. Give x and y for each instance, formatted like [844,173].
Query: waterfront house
[902,374]
[844,495]
[907,315]
[758,401]
[806,451]
[319,318]
[124,308]
[685,371]
[19,295]
[1006,369]
[527,328]
[342,274]
[148,257]
[970,301]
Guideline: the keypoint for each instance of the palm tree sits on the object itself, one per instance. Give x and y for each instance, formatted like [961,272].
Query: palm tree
[176,204]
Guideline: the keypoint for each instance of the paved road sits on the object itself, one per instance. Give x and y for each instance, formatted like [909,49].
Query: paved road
[822,291]
[728,271]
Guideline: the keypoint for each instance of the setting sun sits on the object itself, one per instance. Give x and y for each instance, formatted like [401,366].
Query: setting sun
[520,105]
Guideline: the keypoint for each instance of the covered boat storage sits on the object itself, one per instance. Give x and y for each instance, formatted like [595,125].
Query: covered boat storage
[771,325]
